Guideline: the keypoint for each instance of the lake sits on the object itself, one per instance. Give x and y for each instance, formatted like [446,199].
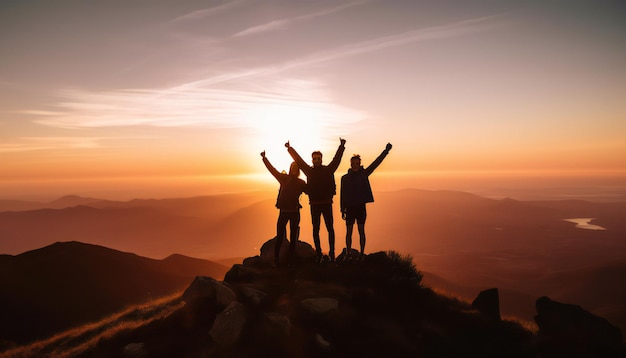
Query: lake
[584,223]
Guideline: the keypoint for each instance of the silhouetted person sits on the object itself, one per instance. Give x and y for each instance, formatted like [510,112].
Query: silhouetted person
[355,193]
[321,189]
[288,202]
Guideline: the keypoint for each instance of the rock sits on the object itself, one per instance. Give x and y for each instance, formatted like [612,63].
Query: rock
[268,251]
[354,255]
[321,342]
[241,273]
[252,261]
[229,324]
[208,288]
[320,305]
[304,252]
[135,350]
[568,330]
[488,303]
[252,295]
[278,324]
[379,258]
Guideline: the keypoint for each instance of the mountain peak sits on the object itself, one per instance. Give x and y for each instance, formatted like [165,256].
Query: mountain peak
[363,306]
[71,200]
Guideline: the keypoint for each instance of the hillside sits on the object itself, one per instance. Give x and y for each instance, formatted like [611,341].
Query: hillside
[375,306]
[51,289]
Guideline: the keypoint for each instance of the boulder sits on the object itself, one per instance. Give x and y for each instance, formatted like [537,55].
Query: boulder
[354,255]
[304,252]
[488,303]
[568,330]
[278,324]
[268,251]
[229,324]
[241,273]
[252,261]
[209,289]
[252,295]
[321,342]
[320,305]
[135,350]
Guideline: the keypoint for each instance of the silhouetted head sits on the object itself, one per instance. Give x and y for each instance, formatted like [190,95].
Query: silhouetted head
[355,162]
[317,158]
[294,169]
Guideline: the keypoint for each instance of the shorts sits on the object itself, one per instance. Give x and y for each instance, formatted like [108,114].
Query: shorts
[356,213]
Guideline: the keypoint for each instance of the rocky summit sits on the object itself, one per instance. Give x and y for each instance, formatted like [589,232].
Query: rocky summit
[357,306]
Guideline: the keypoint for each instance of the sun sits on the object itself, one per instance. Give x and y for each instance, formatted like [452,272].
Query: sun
[303,126]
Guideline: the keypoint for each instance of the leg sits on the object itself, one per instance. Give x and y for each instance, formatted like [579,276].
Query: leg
[361,225]
[362,236]
[315,220]
[349,228]
[294,232]
[328,220]
[281,228]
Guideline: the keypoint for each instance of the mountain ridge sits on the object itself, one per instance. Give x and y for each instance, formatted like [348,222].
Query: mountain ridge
[69,283]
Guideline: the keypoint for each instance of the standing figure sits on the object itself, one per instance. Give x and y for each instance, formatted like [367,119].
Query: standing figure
[355,193]
[288,202]
[321,189]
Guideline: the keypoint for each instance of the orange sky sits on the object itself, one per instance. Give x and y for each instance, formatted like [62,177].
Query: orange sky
[118,97]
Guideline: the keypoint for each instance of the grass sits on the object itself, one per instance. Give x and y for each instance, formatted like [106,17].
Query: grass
[75,341]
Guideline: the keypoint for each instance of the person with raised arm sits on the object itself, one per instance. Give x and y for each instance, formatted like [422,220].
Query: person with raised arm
[356,191]
[321,189]
[288,202]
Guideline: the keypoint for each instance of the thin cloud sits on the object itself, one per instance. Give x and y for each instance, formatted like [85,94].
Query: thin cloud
[194,107]
[207,12]
[456,29]
[15,148]
[279,24]
[204,103]
[27,144]
[460,28]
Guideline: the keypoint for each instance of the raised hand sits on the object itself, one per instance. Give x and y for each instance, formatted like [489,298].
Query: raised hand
[342,141]
[263,154]
[388,148]
[287,144]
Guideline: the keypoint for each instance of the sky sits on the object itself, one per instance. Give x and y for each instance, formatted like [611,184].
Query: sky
[126,98]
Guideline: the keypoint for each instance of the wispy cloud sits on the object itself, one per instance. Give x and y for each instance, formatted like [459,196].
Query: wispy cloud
[280,24]
[193,106]
[456,29]
[212,101]
[207,12]
[20,147]
[27,144]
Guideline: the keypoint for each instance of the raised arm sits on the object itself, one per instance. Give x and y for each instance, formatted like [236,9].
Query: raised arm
[306,169]
[370,169]
[334,164]
[270,167]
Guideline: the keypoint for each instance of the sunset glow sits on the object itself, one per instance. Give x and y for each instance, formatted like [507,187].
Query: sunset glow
[96,99]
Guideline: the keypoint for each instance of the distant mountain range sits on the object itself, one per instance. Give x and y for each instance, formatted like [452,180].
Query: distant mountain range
[148,227]
[63,202]
[54,288]
[469,242]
